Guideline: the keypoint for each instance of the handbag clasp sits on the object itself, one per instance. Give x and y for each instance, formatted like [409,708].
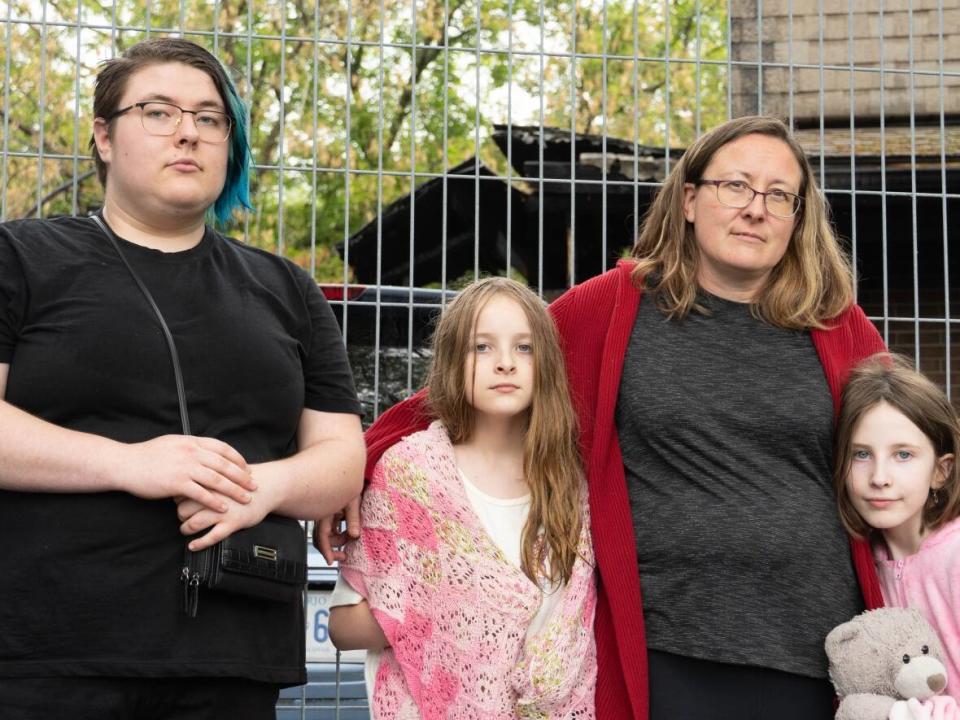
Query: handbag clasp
[265,553]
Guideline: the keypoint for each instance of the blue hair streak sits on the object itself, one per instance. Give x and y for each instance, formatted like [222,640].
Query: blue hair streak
[235,193]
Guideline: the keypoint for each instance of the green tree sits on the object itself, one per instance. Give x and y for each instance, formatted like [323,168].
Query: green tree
[351,110]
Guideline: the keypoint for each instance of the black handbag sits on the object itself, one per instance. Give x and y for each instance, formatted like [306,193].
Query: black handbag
[267,561]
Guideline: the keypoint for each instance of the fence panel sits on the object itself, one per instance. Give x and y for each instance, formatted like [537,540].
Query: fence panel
[403,148]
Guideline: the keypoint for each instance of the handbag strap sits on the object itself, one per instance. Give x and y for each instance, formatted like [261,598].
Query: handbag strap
[178,377]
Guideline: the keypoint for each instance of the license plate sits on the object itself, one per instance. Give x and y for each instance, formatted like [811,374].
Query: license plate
[319,647]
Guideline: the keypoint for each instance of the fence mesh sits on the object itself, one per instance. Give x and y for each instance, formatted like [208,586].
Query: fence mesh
[418,144]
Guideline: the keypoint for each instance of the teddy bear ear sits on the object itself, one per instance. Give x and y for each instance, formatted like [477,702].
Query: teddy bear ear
[841,634]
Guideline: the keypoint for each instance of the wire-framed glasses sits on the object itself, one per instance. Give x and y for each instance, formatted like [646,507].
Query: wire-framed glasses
[163,118]
[737,194]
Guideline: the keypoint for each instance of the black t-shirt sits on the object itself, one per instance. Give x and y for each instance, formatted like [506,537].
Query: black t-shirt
[726,428]
[90,583]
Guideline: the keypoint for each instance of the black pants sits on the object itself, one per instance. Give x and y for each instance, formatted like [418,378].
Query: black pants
[683,688]
[93,698]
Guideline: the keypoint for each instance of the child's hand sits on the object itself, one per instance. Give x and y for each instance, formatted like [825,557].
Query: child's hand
[911,709]
[330,539]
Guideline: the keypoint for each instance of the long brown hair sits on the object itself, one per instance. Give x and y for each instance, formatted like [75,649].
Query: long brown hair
[551,461]
[811,284]
[891,379]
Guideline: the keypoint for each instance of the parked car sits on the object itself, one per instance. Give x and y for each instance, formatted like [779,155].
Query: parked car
[387,331]
[335,688]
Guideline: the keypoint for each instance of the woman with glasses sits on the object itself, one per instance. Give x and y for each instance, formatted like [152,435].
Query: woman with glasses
[706,371]
[101,487]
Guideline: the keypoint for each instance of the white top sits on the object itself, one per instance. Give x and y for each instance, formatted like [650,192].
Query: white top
[503,520]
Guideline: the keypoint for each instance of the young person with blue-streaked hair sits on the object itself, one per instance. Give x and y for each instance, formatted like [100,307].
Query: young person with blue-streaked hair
[100,490]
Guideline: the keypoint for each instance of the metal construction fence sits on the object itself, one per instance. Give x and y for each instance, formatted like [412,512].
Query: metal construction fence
[405,144]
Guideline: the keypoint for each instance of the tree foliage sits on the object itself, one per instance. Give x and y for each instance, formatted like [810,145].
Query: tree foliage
[352,104]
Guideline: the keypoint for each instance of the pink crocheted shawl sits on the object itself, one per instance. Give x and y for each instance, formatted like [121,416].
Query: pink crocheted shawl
[454,610]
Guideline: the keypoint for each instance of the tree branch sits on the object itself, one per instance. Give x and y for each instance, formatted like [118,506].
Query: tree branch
[62,188]
[424,57]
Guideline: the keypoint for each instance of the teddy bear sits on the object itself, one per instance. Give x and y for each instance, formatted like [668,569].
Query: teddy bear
[887,664]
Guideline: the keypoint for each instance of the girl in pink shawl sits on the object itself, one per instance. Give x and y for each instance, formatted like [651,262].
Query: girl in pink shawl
[471,585]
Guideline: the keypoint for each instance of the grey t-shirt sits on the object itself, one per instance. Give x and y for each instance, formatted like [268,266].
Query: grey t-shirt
[725,424]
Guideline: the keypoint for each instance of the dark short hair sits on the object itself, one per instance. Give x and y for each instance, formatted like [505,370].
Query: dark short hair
[111,84]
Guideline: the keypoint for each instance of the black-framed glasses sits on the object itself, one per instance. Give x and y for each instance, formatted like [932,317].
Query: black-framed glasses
[737,194]
[163,118]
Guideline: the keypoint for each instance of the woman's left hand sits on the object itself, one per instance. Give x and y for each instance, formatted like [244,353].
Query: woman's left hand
[196,517]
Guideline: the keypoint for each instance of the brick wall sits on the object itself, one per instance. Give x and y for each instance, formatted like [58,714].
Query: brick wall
[933,352]
[894,142]
[847,37]
[902,336]
[772,35]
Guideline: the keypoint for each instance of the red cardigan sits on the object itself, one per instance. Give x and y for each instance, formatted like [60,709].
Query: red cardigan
[595,320]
